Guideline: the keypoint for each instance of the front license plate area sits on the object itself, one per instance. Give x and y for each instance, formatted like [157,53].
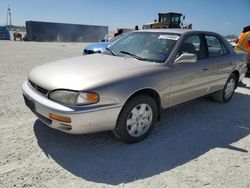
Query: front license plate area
[29,103]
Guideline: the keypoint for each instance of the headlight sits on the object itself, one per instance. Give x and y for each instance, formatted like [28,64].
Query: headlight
[73,97]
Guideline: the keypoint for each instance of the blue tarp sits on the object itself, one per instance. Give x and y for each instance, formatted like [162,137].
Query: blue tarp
[4,33]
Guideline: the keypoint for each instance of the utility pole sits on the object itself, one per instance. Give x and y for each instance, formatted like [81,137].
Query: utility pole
[9,22]
[7,16]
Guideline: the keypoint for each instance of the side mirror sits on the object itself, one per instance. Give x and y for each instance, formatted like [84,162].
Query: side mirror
[186,58]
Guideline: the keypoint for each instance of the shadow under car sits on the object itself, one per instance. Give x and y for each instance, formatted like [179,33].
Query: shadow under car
[184,133]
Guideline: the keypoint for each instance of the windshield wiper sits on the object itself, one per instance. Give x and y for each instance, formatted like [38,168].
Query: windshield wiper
[134,56]
[113,53]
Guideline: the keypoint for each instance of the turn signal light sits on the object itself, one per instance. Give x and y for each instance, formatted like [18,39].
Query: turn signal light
[92,98]
[60,118]
[87,98]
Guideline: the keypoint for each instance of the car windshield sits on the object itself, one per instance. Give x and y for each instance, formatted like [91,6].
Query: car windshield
[146,46]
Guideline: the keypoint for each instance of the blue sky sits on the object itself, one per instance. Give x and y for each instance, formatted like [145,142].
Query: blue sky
[223,16]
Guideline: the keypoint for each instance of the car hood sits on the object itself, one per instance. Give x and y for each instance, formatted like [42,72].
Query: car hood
[86,72]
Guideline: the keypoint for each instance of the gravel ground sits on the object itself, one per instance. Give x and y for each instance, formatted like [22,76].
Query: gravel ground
[200,143]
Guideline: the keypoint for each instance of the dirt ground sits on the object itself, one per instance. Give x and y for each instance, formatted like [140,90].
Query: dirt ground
[198,144]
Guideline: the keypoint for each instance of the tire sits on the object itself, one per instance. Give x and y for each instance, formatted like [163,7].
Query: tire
[223,96]
[134,123]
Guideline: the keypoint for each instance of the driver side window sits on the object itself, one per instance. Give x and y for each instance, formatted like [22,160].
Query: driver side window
[194,45]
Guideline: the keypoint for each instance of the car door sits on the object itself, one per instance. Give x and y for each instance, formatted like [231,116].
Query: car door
[190,80]
[220,59]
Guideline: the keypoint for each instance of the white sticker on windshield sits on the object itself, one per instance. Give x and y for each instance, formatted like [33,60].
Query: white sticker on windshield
[170,37]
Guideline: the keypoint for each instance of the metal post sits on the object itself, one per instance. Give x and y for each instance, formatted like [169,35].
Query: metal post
[9,22]
[7,16]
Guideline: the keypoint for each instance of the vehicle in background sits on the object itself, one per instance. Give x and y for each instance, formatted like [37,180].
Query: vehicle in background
[4,33]
[95,48]
[232,41]
[126,88]
[121,31]
[99,47]
[168,20]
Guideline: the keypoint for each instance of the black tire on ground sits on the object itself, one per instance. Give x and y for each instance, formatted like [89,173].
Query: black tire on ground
[121,131]
[220,96]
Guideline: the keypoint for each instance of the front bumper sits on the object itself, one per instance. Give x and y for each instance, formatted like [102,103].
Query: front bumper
[84,120]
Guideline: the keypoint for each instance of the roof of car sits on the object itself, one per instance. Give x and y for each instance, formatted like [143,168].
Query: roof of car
[178,31]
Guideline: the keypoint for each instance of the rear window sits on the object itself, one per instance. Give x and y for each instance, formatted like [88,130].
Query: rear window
[215,46]
[193,44]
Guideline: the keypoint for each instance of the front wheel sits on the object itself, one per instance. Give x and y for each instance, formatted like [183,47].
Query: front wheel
[136,119]
[225,95]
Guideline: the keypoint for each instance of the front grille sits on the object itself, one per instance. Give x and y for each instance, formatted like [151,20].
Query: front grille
[38,88]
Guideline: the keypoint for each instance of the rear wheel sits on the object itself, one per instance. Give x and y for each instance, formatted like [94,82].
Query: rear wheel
[225,95]
[136,119]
